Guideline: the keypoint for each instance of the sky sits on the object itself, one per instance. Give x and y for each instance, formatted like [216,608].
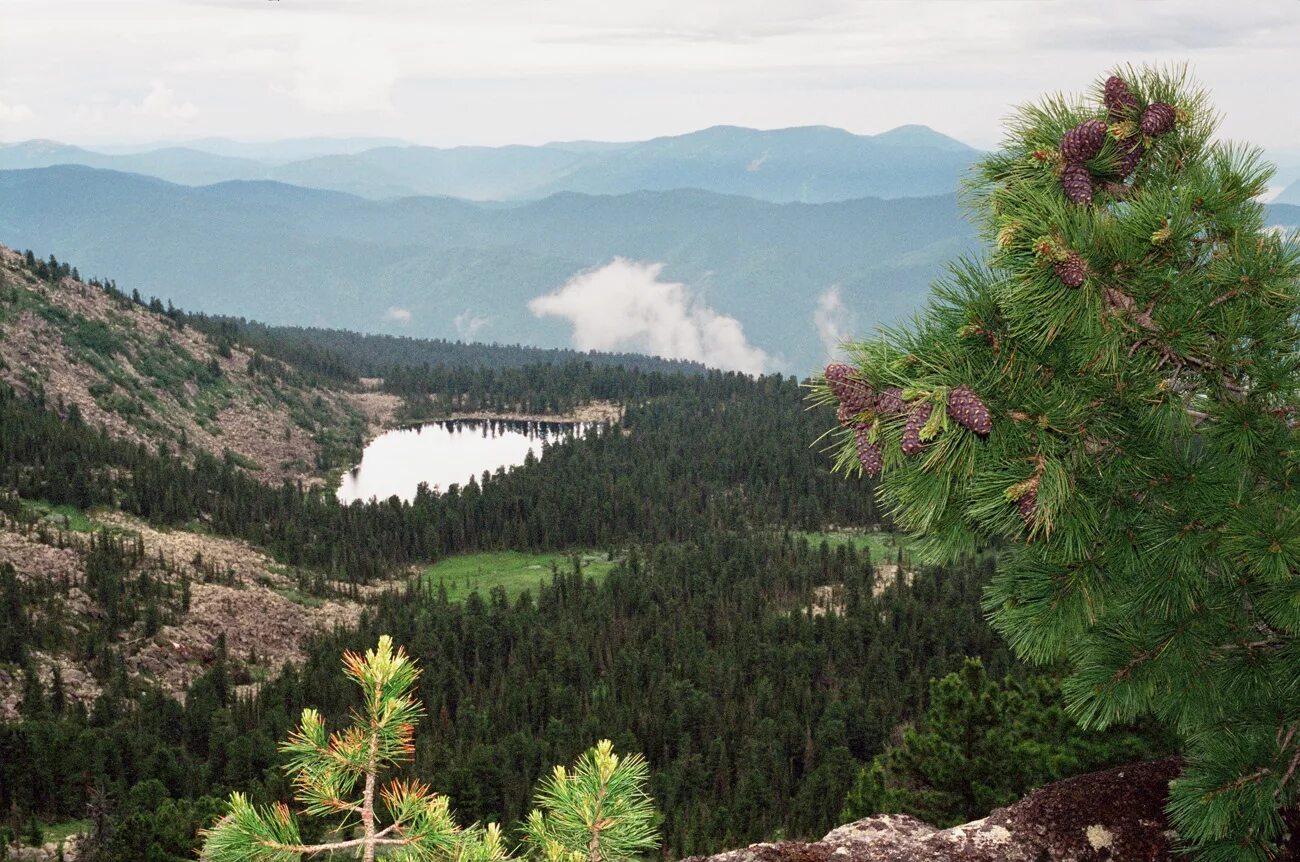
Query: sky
[449,72]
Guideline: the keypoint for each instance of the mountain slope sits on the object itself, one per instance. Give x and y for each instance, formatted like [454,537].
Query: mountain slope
[413,266]
[1289,195]
[142,377]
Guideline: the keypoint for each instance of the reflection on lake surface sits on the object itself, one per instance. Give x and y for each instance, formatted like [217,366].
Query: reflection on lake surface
[446,453]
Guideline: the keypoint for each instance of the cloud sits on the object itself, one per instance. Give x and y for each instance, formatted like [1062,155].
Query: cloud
[834,322]
[400,315]
[339,69]
[161,102]
[624,306]
[468,324]
[14,113]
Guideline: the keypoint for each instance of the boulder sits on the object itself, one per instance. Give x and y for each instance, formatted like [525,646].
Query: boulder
[1115,815]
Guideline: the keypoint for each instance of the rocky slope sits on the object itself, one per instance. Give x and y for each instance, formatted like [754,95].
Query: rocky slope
[1114,815]
[203,585]
[143,377]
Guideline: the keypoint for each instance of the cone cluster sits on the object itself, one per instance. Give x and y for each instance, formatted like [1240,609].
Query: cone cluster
[1085,141]
[856,397]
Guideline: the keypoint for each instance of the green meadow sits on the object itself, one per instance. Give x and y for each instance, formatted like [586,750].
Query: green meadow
[513,570]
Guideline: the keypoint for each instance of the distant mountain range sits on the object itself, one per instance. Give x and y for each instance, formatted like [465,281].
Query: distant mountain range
[812,164]
[1289,195]
[440,267]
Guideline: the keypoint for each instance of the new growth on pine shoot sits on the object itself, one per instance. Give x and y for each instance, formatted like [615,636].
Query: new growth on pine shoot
[1112,392]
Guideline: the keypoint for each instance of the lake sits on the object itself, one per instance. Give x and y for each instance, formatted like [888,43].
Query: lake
[446,453]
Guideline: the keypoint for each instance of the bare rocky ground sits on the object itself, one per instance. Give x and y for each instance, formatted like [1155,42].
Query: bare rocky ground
[235,590]
[42,344]
[1111,816]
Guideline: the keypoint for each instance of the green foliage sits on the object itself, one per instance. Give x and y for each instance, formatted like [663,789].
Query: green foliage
[596,812]
[981,745]
[327,768]
[1143,451]
[599,812]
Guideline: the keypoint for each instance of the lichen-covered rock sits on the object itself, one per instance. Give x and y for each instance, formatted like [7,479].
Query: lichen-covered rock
[1113,815]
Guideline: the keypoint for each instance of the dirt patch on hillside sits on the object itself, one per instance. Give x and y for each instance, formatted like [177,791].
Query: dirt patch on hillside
[234,589]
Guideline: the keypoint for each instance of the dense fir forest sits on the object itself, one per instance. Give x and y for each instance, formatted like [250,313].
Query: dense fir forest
[752,712]
[701,649]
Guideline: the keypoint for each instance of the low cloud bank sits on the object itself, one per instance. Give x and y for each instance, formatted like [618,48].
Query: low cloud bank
[624,306]
[834,322]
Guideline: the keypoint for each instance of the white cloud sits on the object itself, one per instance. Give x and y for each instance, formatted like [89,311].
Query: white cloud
[399,315]
[834,322]
[161,102]
[624,306]
[14,113]
[468,324]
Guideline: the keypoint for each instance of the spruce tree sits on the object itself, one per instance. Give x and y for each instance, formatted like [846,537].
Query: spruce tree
[1112,391]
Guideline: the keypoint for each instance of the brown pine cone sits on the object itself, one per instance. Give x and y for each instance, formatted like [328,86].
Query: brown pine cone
[1120,101]
[912,444]
[966,408]
[1084,141]
[1027,505]
[1072,271]
[889,402]
[869,454]
[1158,118]
[1076,182]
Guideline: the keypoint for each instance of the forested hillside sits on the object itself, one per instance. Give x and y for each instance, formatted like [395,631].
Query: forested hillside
[166,613]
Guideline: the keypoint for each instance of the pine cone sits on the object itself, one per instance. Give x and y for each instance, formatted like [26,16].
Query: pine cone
[889,402]
[1120,101]
[1130,156]
[843,414]
[837,374]
[1157,119]
[857,396]
[1028,506]
[966,408]
[912,430]
[869,454]
[1072,270]
[1083,141]
[1077,184]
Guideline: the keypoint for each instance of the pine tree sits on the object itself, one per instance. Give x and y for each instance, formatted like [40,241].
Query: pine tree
[597,813]
[1143,453]
[619,826]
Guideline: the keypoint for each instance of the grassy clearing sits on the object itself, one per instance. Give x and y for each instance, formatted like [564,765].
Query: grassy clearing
[63,517]
[884,547]
[56,832]
[514,571]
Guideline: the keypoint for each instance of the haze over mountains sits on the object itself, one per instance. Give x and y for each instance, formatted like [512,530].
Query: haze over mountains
[755,250]
[450,268]
[808,164]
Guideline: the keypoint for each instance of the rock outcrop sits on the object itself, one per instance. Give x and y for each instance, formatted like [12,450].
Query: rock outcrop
[1113,815]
